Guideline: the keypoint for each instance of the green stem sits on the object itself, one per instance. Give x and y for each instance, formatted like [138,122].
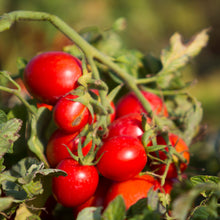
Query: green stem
[146,80]
[16,92]
[7,21]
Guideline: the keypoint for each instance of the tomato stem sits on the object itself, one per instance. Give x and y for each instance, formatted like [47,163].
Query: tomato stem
[16,92]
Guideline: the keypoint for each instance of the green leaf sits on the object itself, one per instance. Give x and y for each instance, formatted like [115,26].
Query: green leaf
[130,61]
[137,208]
[24,213]
[202,213]
[192,120]
[21,64]
[38,124]
[153,202]
[91,213]
[5,22]
[156,148]
[9,134]
[5,203]
[115,210]
[204,179]
[178,54]
[3,117]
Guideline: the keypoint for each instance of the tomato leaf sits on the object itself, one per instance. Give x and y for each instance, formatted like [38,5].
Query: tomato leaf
[115,210]
[130,61]
[9,134]
[36,131]
[24,213]
[91,213]
[177,56]
[204,179]
[5,203]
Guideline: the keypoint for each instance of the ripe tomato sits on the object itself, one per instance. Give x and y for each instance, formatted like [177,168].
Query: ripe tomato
[79,184]
[130,104]
[122,157]
[69,115]
[98,198]
[56,150]
[131,190]
[180,147]
[130,125]
[50,75]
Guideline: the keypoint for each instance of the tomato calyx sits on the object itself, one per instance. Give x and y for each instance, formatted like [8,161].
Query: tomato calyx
[82,159]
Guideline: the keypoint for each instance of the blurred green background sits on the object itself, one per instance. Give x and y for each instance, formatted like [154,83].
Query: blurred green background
[150,23]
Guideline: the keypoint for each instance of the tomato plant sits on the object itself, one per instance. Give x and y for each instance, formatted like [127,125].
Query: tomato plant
[135,151]
[50,75]
[121,158]
[79,184]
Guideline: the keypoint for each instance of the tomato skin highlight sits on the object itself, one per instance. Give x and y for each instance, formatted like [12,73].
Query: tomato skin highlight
[180,147]
[50,75]
[69,115]
[130,104]
[130,125]
[132,189]
[122,157]
[79,184]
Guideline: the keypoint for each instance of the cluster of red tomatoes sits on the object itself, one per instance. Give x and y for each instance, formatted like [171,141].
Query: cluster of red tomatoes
[121,157]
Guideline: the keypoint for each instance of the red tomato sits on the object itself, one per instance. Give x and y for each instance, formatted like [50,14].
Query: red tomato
[98,198]
[131,190]
[50,107]
[56,150]
[130,104]
[50,75]
[69,115]
[180,147]
[79,184]
[130,125]
[122,157]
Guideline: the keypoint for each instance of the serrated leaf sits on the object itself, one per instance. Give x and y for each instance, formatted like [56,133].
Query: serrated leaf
[28,168]
[200,213]
[204,179]
[91,213]
[9,134]
[5,203]
[178,54]
[115,210]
